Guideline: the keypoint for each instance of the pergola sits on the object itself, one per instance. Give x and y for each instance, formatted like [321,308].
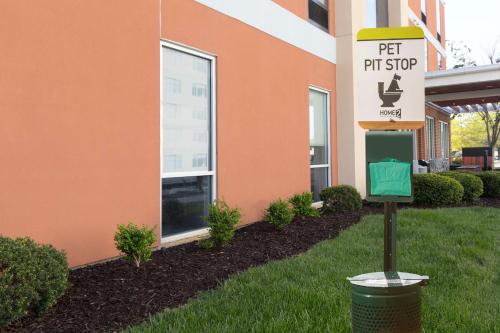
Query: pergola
[463,90]
[466,90]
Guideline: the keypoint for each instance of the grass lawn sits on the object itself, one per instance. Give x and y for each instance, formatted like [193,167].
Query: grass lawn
[456,247]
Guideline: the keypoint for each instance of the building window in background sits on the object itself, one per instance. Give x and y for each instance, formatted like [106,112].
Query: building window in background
[423,10]
[430,138]
[318,13]
[445,140]
[319,140]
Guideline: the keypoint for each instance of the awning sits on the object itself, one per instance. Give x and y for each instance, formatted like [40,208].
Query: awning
[461,90]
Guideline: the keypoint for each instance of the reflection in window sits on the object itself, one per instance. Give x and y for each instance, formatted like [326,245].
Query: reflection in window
[199,90]
[174,162]
[187,172]
[200,160]
[185,202]
[318,141]
[318,13]
[173,86]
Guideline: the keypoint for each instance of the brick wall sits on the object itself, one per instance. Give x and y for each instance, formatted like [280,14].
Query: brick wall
[421,142]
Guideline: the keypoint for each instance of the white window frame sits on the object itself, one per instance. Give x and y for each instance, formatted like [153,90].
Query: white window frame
[427,143]
[213,137]
[328,138]
[443,155]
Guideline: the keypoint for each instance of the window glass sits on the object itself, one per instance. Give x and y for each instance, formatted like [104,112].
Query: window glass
[423,9]
[318,13]
[317,128]
[185,201]
[445,141]
[186,125]
[186,141]
[319,180]
[318,141]
[430,138]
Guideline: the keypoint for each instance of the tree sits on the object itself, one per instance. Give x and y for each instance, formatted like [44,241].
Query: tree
[461,54]
[467,130]
[491,121]
[492,51]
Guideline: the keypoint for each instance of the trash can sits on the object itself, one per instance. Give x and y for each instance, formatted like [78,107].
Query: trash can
[386,302]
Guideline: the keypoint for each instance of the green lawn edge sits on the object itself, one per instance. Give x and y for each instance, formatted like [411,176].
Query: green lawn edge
[456,247]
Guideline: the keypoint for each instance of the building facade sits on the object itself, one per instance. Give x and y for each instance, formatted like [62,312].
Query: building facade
[147,111]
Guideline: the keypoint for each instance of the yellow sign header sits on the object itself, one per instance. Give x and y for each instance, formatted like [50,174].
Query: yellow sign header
[390,33]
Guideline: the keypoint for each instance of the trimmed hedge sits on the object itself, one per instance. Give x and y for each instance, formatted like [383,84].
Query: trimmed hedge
[302,205]
[434,190]
[32,278]
[491,183]
[279,213]
[341,198]
[473,185]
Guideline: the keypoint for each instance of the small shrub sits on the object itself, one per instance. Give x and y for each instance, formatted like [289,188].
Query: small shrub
[473,186]
[221,221]
[435,190]
[135,242]
[302,204]
[491,183]
[32,278]
[341,198]
[279,213]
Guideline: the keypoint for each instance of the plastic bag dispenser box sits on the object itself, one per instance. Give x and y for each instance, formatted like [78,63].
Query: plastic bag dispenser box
[389,158]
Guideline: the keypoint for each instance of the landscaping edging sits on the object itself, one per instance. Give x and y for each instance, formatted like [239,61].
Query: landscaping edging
[112,295]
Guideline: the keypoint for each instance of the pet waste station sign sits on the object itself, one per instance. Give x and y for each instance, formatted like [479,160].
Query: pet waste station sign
[390,65]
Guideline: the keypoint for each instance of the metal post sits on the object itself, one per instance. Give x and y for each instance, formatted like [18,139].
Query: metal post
[394,236]
[387,236]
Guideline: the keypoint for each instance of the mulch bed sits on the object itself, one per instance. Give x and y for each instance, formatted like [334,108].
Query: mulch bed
[110,296]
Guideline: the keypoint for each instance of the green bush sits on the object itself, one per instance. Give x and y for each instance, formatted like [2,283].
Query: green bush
[341,198]
[302,204]
[135,242]
[435,190]
[32,278]
[473,186]
[279,213]
[491,183]
[221,220]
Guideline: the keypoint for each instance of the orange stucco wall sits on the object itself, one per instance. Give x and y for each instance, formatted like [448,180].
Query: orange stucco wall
[79,102]
[262,105]
[79,99]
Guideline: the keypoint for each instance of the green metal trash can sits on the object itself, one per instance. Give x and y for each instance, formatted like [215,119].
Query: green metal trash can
[386,302]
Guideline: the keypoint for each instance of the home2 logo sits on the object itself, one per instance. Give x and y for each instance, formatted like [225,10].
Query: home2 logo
[389,97]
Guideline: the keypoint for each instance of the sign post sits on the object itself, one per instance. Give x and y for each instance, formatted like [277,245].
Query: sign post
[390,79]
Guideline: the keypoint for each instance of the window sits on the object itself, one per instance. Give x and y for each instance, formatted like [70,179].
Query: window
[430,140]
[440,61]
[319,140]
[370,13]
[318,13]
[445,140]
[187,139]
[423,9]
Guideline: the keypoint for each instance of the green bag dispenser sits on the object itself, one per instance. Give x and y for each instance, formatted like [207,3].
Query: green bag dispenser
[389,158]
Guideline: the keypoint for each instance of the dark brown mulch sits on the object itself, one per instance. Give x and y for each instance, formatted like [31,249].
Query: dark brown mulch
[110,296]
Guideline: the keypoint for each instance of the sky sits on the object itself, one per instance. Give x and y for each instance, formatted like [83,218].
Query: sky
[476,22]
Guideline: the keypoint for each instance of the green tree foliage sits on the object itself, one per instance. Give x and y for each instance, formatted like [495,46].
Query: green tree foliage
[468,130]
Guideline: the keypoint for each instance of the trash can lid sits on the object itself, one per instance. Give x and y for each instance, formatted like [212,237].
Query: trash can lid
[388,279]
